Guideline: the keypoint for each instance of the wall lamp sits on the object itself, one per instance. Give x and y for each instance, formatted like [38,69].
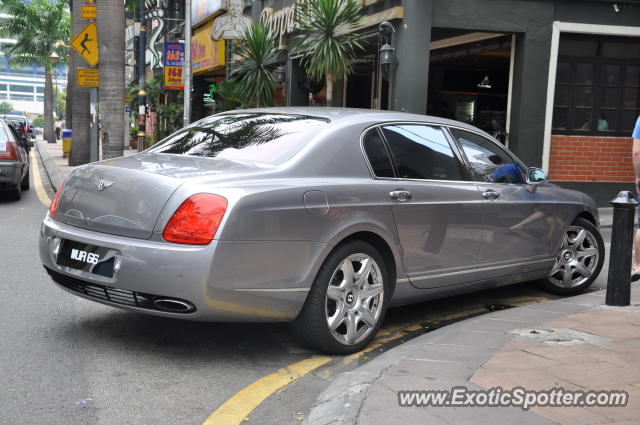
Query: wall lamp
[388,51]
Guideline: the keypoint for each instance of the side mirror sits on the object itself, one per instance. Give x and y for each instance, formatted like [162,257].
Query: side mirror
[536,176]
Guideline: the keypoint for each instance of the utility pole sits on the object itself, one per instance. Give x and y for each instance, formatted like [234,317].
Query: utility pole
[187,64]
[142,94]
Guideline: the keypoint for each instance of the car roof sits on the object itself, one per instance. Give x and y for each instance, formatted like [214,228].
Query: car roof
[343,115]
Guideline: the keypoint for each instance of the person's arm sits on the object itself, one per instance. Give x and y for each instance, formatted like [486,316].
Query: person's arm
[636,153]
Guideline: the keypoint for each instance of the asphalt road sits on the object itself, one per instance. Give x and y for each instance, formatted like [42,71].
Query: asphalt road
[66,360]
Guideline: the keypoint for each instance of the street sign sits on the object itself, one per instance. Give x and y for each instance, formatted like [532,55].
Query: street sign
[89,12]
[173,63]
[86,44]
[88,77]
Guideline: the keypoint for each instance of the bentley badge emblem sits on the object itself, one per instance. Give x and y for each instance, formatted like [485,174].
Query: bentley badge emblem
[103,184]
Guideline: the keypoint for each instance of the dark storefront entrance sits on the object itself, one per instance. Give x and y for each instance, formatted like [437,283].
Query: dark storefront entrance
[367,85]
[469,80]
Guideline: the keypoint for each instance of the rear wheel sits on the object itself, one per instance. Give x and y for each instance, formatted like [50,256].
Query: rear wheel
[17,192]
[25,185]
[346,304]
[579,261]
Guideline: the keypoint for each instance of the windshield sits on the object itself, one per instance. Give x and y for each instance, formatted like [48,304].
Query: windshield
[255,137]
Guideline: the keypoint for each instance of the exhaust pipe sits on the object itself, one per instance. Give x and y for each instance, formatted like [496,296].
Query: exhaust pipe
[173,306]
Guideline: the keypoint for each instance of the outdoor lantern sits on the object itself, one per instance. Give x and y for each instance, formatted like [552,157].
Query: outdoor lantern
[54,57]
[280,74]
[485,83]
[388,55]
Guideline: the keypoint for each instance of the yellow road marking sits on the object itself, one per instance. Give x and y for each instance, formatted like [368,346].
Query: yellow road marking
[37,182]
[238,407]
[526,299]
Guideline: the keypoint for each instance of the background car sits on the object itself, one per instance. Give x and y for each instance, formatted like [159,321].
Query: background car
[323,217]
[14,161]
[19,118]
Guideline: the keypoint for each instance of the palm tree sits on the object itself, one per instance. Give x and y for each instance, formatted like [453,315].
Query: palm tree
[258,51]
[111,30]
[327,42]
[38,25]
[79,97]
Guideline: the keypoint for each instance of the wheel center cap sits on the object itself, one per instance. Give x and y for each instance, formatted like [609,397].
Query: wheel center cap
[350,298]
[567,256]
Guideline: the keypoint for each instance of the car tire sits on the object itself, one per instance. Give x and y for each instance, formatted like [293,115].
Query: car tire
[579,260]
[17,192]
[342,296]
[25,185]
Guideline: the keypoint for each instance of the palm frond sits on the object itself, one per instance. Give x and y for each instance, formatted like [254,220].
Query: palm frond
[327,42]
[37,26]
[258,53]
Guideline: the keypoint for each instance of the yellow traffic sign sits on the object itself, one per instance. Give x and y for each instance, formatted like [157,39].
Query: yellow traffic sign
[86,44]
[88,77]
[89,12]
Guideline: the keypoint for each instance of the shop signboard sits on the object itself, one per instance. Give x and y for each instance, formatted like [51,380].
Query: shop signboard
[206,53]
[202,9]
[173,63]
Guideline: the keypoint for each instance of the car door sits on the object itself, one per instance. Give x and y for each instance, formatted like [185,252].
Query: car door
[519,218]
[22,153]
[437,211]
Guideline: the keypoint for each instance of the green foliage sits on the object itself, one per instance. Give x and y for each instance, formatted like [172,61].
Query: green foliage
[6,107]
[170,117]
[153,87]
[327,42]
[258,51]
[229,97]
[61,105]
[38,122]
[38,26]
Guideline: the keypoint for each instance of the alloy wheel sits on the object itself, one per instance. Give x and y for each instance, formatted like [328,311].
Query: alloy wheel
[354,299]
[577,259]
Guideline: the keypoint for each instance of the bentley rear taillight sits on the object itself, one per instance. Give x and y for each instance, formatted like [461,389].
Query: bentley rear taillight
[196,221]
[53,208]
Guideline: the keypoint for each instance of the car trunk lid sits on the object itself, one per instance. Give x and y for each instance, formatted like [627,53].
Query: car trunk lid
[125,196]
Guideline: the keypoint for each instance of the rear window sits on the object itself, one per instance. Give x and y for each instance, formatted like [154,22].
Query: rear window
[263,138]
[15,120]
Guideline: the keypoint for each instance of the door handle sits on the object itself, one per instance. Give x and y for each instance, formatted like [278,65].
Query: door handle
[400,195]
[490,194]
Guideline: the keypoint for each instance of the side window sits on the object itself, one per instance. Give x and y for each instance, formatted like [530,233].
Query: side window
[10,134]
[422,152]
[377,154]
[489,163]
[3,134]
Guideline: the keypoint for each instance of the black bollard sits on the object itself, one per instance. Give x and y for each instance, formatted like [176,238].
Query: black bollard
[619,280]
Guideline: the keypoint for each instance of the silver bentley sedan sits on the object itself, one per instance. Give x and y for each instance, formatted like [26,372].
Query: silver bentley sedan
[322,217]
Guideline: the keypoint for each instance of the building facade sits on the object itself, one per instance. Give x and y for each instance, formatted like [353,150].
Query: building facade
[557,81]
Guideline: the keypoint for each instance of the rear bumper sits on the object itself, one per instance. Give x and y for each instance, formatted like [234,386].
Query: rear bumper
[225,281]
[10,174]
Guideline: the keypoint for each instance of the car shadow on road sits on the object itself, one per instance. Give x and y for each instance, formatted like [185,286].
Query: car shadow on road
[180,340]
[7,198]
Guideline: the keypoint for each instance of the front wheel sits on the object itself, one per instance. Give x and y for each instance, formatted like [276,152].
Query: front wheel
[347,301]
[579,260]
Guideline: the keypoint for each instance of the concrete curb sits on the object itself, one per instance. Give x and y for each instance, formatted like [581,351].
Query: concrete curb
[342,401]
[55,176]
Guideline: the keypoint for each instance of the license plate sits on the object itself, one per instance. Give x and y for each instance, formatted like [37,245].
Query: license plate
[89,258]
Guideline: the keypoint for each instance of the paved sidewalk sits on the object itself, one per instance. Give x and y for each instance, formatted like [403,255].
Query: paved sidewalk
[574,343]
[56,166]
